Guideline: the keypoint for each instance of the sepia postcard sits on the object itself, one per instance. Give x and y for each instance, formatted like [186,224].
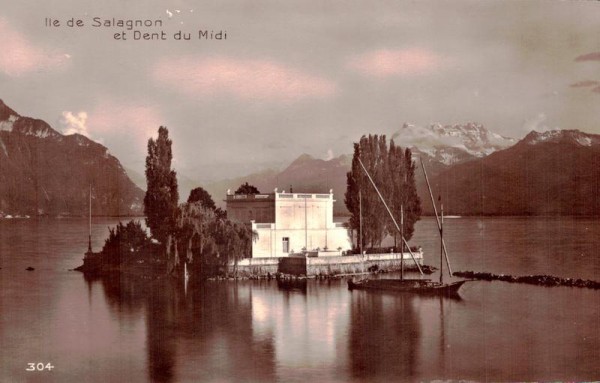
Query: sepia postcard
[292,191]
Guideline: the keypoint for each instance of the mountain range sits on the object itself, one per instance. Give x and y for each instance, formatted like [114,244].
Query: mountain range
[451,144]
[43,172]
[546,173]
[304,174]
[475,171]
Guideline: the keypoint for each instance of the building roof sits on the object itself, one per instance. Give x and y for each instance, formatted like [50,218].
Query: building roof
[276,196]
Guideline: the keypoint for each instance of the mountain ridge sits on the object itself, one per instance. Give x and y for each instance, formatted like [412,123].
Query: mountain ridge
[451,144]
[43,172]
[468,187]
[555,175]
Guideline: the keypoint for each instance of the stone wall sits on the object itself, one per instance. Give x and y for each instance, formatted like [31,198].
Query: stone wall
[353,264]
[256,266]
[330,265]
[293,265]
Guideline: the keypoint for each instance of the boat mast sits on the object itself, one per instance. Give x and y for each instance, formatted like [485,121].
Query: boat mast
[360,222]
[90,222]
[436,217]
[401,242]
[442,243]
[390,213]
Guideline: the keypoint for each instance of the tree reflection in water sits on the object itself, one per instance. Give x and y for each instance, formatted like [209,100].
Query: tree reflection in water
[384,336]
[200,332]
[262,331]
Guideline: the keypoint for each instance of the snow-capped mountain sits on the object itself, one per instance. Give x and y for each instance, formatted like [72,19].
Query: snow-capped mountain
[561,136]
[474,170]
[438,146]
[451,144]
[43,172]
[546,173]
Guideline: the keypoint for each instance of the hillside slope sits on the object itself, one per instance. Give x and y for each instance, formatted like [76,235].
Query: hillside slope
[43,172]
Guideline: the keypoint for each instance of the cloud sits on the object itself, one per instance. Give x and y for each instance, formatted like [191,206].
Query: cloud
[111,118]
[124,127]
[329,155]
[125,119]
[400,62]
[245,79]
[595,85]
[425,138]
[594,56]
[74,123]
[536,123]
[585,83]
[20,56]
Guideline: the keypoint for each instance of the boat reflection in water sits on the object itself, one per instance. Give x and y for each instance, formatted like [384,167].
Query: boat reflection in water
[298,285]
[267,330]
[385,336]
[261,331]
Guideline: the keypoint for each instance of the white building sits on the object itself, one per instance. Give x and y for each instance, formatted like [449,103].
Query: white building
[289,223]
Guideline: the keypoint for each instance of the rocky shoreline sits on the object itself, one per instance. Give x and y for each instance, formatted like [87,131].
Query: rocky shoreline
[539,280]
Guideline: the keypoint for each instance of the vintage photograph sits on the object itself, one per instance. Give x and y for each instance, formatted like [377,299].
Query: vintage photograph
[299,191]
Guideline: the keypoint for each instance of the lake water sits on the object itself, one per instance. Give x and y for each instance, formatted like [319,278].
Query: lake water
[258,331]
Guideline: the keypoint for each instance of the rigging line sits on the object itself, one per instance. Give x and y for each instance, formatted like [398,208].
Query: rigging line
[391,215]
[437,218]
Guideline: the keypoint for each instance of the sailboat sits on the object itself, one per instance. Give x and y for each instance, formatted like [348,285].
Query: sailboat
[416,286]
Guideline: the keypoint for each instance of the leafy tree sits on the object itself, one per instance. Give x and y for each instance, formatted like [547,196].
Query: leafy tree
[353,196]
[123,241]
[200,195]
[220,213]
[210,241]
[228,241]
[191,233]
[247,189]
[396,166]
[369,150]
[393,171]
[160,202]
[410,200]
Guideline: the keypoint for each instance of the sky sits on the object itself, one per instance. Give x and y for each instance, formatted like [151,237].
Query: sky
[296,77]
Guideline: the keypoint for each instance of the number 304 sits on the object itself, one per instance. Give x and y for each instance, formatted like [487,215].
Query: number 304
[39,366]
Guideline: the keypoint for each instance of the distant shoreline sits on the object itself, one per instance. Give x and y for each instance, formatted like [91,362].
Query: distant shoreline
[337,218]
[20,217]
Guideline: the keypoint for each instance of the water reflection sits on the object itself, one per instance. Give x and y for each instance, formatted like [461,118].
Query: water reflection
[384,336]
[119,329]
[299,285]
[277,330]
[199,332]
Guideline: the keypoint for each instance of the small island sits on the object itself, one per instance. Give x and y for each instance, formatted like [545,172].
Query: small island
[258,238]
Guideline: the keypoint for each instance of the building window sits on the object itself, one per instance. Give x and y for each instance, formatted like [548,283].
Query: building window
[286,244]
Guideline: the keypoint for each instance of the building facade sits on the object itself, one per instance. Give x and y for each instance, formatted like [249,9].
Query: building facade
[288,223]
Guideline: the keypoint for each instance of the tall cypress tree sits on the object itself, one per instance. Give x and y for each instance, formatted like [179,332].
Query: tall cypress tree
[160,202]
[351,197]
[393,171]
[396,161]
[411,200]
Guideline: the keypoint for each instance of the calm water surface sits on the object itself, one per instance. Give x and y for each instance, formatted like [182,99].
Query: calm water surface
[124,330]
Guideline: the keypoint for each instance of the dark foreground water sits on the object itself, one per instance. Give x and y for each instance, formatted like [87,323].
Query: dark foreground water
[124,330]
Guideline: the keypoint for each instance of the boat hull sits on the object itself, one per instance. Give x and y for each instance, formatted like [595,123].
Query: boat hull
[414,286]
